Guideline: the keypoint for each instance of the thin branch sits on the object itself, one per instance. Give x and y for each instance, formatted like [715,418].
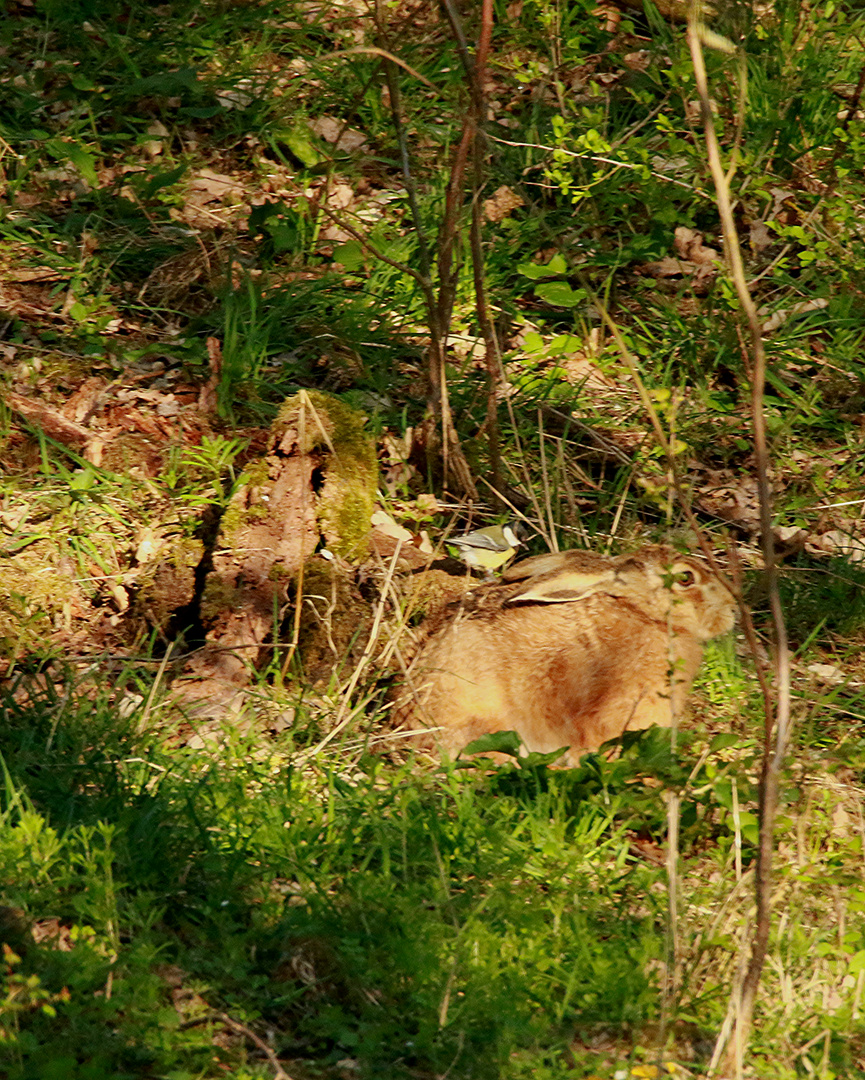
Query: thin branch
[385,55]
[603,161]
[777,734]
[476,122]
[402,141]
[278,1072]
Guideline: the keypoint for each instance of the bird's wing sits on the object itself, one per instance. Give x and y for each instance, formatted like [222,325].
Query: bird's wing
[478,540]
[565,587]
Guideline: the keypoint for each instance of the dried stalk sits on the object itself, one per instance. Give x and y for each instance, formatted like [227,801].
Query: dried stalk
[345,714]
[777,712]
[241,1029]
[476,123]
[439,307]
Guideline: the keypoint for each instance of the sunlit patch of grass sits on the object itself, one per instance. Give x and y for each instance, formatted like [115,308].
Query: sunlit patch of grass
[405,919]
[328,900]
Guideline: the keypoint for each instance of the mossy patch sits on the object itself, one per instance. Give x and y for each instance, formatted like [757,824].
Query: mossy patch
[34,597]
[168,583]
[335,623]
[321,424]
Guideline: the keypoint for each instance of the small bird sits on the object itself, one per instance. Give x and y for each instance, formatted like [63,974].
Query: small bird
[490,548]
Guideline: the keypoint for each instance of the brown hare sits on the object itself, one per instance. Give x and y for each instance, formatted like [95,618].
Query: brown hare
[573,649]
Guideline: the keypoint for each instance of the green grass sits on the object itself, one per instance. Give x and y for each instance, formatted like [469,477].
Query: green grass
[497,921]
[404,919]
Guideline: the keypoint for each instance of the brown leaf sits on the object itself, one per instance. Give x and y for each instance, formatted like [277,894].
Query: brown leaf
[53,423]
[668,267]
[502,203]
[334,131]
[84,401]
[689,245]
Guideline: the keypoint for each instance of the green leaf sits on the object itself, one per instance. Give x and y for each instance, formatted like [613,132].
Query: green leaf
[165,84]
[162,180]
[502,742]
[556,265]
[535,758]
[750,826]
[533,342]
[566,343]
[81,82]
[857,963]
[560,293]
[83,161]
[351,255]
[724,793]
[299,142]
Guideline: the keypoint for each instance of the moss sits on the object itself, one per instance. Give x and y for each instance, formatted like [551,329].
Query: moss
[335,621]
[234,517]
[32,598]
[219,596]
[323,422]
[168,581]
[320,423]
[430,591]
[255,474]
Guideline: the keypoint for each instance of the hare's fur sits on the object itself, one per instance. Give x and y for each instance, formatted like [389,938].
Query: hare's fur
[581,649]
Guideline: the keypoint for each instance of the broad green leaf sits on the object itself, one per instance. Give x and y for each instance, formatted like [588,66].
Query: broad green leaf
[533,342]
[350,254]
[556,265]
[857,962]
[83,161]
[535,758]
[560,293]
[502,742]
[300,143]
[566,343]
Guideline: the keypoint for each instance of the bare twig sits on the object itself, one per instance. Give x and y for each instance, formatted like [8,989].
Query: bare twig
[247,1032]
[402,141]
[614,162]
[777,713]
[439,308]
[373,50]
[476,76]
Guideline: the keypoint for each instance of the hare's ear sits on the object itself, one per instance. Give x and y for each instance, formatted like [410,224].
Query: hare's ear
[564,588]
[536,565]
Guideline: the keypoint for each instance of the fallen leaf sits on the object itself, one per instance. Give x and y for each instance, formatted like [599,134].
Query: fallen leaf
[836,542]
[386,525]
[668,267]
[689,245]
[759,237]
[778,319]
[501,204]
[52,422]
[154,146]
[826,673]
[334,131]
[85,400]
